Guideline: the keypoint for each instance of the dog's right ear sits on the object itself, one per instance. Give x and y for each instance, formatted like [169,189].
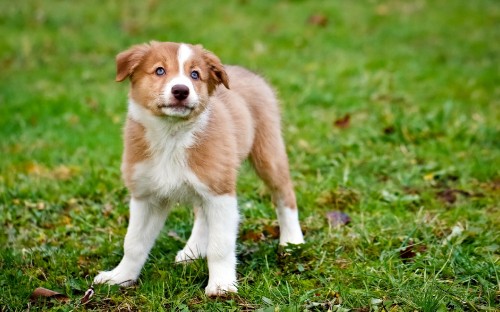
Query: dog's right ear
[127,61]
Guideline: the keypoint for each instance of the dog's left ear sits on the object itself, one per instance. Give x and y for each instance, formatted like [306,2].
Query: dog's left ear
[127,61]
[218,74]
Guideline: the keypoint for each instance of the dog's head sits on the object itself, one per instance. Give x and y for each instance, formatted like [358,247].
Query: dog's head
[171,79]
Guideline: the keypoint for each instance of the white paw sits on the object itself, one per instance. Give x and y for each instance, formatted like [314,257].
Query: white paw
[115,277]
[295,238]
[220,289]
[187,255]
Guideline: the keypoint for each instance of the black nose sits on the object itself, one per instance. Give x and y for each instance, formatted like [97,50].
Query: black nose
[180,92]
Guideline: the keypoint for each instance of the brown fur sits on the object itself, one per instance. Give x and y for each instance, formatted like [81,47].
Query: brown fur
[136,149]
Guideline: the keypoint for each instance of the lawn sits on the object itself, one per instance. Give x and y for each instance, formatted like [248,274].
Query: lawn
[391,115]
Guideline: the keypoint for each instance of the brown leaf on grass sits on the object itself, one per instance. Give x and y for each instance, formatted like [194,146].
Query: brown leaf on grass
[318,20]
[252,235]
[450,195]
[409,252]
[88,294]
[343,122]
[271,231]
[44,293]
[337,218]
[389,130]
[265,232]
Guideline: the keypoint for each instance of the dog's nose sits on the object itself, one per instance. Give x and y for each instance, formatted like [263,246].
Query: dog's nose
[180,92]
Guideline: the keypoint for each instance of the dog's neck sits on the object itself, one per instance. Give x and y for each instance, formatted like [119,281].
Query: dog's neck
[168,132]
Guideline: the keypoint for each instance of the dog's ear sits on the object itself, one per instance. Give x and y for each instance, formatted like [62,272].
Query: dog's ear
[127,61]
[218,74]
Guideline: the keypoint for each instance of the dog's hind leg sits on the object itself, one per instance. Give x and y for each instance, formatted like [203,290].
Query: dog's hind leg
[196,246]
[270,161]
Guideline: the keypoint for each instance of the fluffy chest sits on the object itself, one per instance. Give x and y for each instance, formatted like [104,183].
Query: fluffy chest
[165,173]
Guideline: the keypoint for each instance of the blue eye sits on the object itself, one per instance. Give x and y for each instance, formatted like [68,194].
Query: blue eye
[195,75]
[160,71]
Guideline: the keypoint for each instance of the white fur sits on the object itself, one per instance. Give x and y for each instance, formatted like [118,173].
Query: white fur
[288,220]
[222,219]
[214,236]
[183,54]
[146,221]
[196,246]
[168,144]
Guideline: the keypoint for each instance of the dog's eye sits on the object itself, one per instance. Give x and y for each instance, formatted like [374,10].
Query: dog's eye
[160,71]
[195,75]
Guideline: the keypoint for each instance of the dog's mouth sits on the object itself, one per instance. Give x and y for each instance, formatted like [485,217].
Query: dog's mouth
[176,109]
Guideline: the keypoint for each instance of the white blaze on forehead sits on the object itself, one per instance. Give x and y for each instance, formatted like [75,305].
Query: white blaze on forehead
[183,55]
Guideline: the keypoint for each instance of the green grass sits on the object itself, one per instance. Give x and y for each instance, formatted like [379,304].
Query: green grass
[420,156]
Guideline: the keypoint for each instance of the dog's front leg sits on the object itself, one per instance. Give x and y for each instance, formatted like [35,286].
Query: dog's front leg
[222,220]
[146,222]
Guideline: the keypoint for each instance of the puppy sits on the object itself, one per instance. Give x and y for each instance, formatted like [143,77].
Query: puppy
[191,122]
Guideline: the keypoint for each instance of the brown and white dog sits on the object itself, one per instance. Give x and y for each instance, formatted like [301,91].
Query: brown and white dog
[191,122]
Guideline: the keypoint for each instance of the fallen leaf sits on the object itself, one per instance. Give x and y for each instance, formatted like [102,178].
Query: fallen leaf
[337,218]
[41,293]
[88,294]
[343,122]
[409,252]
[252,235]
[318,20]
[449,195]
[271,231]
[389,130]
[263,232]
